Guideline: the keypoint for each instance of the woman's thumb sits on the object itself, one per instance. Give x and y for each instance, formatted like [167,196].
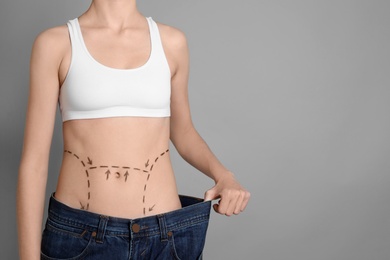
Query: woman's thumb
[210,194]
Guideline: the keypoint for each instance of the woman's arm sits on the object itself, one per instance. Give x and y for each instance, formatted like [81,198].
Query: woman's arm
[190,144]
[40,118]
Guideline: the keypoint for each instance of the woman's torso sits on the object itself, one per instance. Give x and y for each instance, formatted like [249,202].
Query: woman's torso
[117,166]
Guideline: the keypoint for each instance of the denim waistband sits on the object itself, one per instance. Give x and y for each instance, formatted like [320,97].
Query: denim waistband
[194,210]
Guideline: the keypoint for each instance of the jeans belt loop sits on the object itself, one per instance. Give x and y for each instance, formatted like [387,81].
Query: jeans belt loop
[101,229]
[163,227]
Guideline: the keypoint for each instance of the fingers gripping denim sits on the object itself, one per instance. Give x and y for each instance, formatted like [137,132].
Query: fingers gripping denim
[77,234]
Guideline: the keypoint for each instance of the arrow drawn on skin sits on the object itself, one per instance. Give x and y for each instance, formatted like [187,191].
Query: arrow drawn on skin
[108,174]
[126,174]
[151,208]
[89,161]
[147,164]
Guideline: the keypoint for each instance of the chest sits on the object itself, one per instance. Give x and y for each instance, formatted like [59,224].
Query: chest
[126,50]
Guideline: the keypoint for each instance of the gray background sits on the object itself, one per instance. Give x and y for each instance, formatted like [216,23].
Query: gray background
[293,96]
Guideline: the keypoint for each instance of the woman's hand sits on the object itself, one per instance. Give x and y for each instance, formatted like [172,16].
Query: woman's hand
[233,197]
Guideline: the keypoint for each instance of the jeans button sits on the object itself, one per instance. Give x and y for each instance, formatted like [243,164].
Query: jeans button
[135,228]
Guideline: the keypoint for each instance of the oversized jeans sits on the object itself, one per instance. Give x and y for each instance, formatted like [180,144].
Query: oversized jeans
[78,234]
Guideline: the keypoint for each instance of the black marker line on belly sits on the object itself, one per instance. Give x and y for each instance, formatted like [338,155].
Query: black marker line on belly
[149,173]
[118,175]
[87,173]
[108,174]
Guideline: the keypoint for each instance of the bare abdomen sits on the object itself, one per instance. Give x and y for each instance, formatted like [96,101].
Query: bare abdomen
[118,166]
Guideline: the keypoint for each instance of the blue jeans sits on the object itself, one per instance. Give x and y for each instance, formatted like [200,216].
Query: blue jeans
[78,234]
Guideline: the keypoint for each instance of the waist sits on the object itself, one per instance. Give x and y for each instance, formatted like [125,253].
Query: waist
[123,190]
[118,166]
[193,210]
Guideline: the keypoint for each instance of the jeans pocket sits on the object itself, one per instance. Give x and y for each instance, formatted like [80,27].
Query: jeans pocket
[61,241]
[188,243]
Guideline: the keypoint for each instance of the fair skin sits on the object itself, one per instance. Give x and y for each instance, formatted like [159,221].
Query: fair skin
[107,27]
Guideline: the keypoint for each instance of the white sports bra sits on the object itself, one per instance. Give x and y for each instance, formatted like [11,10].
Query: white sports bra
[93,90]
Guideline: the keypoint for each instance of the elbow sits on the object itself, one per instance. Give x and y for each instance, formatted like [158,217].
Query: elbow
[32,173]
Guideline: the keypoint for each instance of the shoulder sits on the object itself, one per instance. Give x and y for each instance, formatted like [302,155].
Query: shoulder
[173,38]
[52,43]
[52,37]
[175,46]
